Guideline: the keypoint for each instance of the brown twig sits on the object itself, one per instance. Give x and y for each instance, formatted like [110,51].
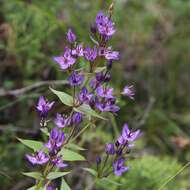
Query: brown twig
[26,89]
[18,129]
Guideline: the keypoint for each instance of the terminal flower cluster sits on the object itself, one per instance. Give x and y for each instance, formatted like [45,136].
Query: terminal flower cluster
[89,87]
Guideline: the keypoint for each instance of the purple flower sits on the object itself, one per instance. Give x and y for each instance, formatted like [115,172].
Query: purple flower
[60,121]
[49,187]
[57,161]
[127,135]
[110,148]
[107,106]
[75,79]
[104,92]
[108,53]
[66,60]
[90,53]
[43,107]
[100,78]
[129,91]
[78,51]
[84,96]
[56,140]
[99,18]
[98,160]
[112,55]
[71,37]
[119,167]
[105,25]
[77,118]
[39,158]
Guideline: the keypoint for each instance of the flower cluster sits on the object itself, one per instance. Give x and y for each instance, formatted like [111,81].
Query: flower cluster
[41,157]
[90,88]
[120,149]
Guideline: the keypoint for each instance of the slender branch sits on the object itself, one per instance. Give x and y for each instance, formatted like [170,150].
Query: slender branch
[172,177]
[80,132]
[26,89]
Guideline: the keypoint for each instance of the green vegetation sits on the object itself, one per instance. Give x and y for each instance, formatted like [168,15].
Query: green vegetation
[153,38]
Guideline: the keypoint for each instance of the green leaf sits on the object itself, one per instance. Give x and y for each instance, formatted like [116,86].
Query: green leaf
[32,188]
[91,171]
[35,145]
[45,131]
[100,69]
[36,175]
[64,185]
[64,97]
[109,181]
[55,175]
[69,155]
[86,109]
[74,147]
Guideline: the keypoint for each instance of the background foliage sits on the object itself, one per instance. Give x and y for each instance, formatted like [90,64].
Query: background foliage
[153,38]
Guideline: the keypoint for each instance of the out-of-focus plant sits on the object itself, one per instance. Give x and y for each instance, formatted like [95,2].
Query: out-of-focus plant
[150,172]
[90,99]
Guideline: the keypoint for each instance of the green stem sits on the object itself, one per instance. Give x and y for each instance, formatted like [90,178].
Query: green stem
[82,131]
[105,161]
[172,177]
[74,96]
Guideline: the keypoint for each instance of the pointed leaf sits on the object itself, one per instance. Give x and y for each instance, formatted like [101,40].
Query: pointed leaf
[69,155]
[35,145]
[36,175]
[110,181]
[55,175]
[64,185]
[100,69]
[32,188]
[86,109]
[74,147]
[64,97]
[91,171]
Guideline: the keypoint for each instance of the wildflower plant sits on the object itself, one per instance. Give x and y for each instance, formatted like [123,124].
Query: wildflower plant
[91,98]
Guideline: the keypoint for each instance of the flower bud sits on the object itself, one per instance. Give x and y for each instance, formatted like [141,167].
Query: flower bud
[93,28]
[119,152]
[110,149]
[98,160]
[71,37]
[109,65]
[76,118]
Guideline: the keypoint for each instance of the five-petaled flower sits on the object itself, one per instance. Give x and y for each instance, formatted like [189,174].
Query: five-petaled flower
[119,167]
[56,140]
[57,161]
[39,158]
[127,135]
[44,106]
[60,121]
[66,60]
[75,79]
[104,92]
[128,91]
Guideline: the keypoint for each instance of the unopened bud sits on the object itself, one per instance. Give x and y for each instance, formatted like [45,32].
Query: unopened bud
[98,160]
[93,28]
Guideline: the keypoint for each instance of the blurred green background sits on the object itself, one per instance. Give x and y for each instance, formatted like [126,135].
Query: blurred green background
[153,39]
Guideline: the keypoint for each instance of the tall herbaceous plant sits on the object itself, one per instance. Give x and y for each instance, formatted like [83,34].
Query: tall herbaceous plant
[90,99]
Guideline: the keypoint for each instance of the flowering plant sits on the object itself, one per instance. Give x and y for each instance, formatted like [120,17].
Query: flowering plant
[92,97]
